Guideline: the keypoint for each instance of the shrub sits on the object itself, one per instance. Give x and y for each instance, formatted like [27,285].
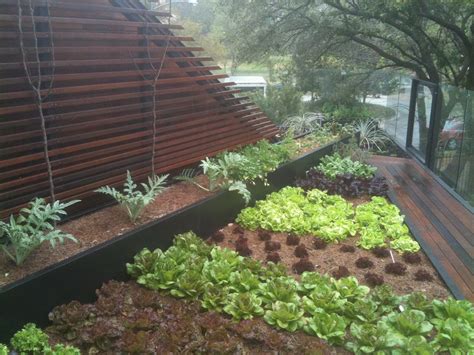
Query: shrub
[364,263]
[301,252]
[133,200]
[33,226]
[396,269]
[292,239]
[373,279]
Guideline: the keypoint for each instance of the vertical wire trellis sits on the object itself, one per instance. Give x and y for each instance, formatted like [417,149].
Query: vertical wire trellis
[156,72]
[37,87]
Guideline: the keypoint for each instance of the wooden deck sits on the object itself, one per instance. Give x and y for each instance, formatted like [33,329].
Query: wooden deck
[441,224]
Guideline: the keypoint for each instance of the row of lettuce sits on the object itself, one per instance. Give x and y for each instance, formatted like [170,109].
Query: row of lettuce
[330,217]
[343,312]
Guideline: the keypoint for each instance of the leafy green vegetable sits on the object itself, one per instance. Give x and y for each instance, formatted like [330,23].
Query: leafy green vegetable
[290,210]
[243,281]
[323,298]
[379,219]
[312,280]
[189,284]
[214,298]
[244,305]
[330,327]
[285,315]
[454,337]
[165,275]
[33,226]
[144,262]
[349,288]
[132,200]
[280,289]
[405,244]
[234,170]
[362,311]
[334,165]
[461,311]
[30,339]
[368,339]
[60,349]
[406,325]
[419,301]
[3,349]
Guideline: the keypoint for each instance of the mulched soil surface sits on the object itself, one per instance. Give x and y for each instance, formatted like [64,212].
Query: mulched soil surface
[128,318]
[328,260]
[98,227]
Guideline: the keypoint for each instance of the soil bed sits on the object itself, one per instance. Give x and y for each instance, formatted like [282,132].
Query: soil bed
[330,258]
[98,227]
[128,318]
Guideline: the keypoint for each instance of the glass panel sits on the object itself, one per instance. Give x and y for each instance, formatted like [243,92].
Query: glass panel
[424,99]
[450,137]
[403,109]
[465,182]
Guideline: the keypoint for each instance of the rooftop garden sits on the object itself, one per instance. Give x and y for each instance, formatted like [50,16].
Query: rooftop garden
[148,208]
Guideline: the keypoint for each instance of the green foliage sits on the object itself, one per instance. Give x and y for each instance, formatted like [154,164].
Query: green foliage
[30,339]
[454,337]
[222,281]
[345,113]
[330,327]
[280,103]
[303,124]
[283,315]
[132,199]
[368,339]
[371,136]
[60,349]
[379,219]
[244,306]
[334,165]
[33,226]
[281,289]
[234,170]
[291,210]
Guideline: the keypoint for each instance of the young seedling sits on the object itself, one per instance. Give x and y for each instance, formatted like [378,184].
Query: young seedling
[32,227]
[133,200]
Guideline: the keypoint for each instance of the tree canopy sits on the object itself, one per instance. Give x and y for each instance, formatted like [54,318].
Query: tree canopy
[432,38]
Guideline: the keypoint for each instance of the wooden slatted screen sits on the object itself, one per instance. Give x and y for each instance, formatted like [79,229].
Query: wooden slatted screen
[99,112]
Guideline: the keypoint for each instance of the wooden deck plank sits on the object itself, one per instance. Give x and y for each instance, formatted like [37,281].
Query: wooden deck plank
[441,224]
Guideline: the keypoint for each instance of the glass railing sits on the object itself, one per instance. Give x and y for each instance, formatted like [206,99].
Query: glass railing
[452,142]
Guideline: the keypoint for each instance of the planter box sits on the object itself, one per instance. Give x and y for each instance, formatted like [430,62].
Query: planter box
[76,278]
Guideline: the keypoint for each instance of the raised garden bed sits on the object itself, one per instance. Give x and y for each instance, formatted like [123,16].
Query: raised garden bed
[327,258]
[77,277]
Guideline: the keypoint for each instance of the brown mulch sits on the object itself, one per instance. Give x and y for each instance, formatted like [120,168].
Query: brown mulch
[329,259]
[99,227]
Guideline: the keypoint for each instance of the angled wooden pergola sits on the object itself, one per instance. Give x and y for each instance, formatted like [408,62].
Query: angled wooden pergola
[104,113]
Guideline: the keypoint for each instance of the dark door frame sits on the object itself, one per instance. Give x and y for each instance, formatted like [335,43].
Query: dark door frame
[429,157]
